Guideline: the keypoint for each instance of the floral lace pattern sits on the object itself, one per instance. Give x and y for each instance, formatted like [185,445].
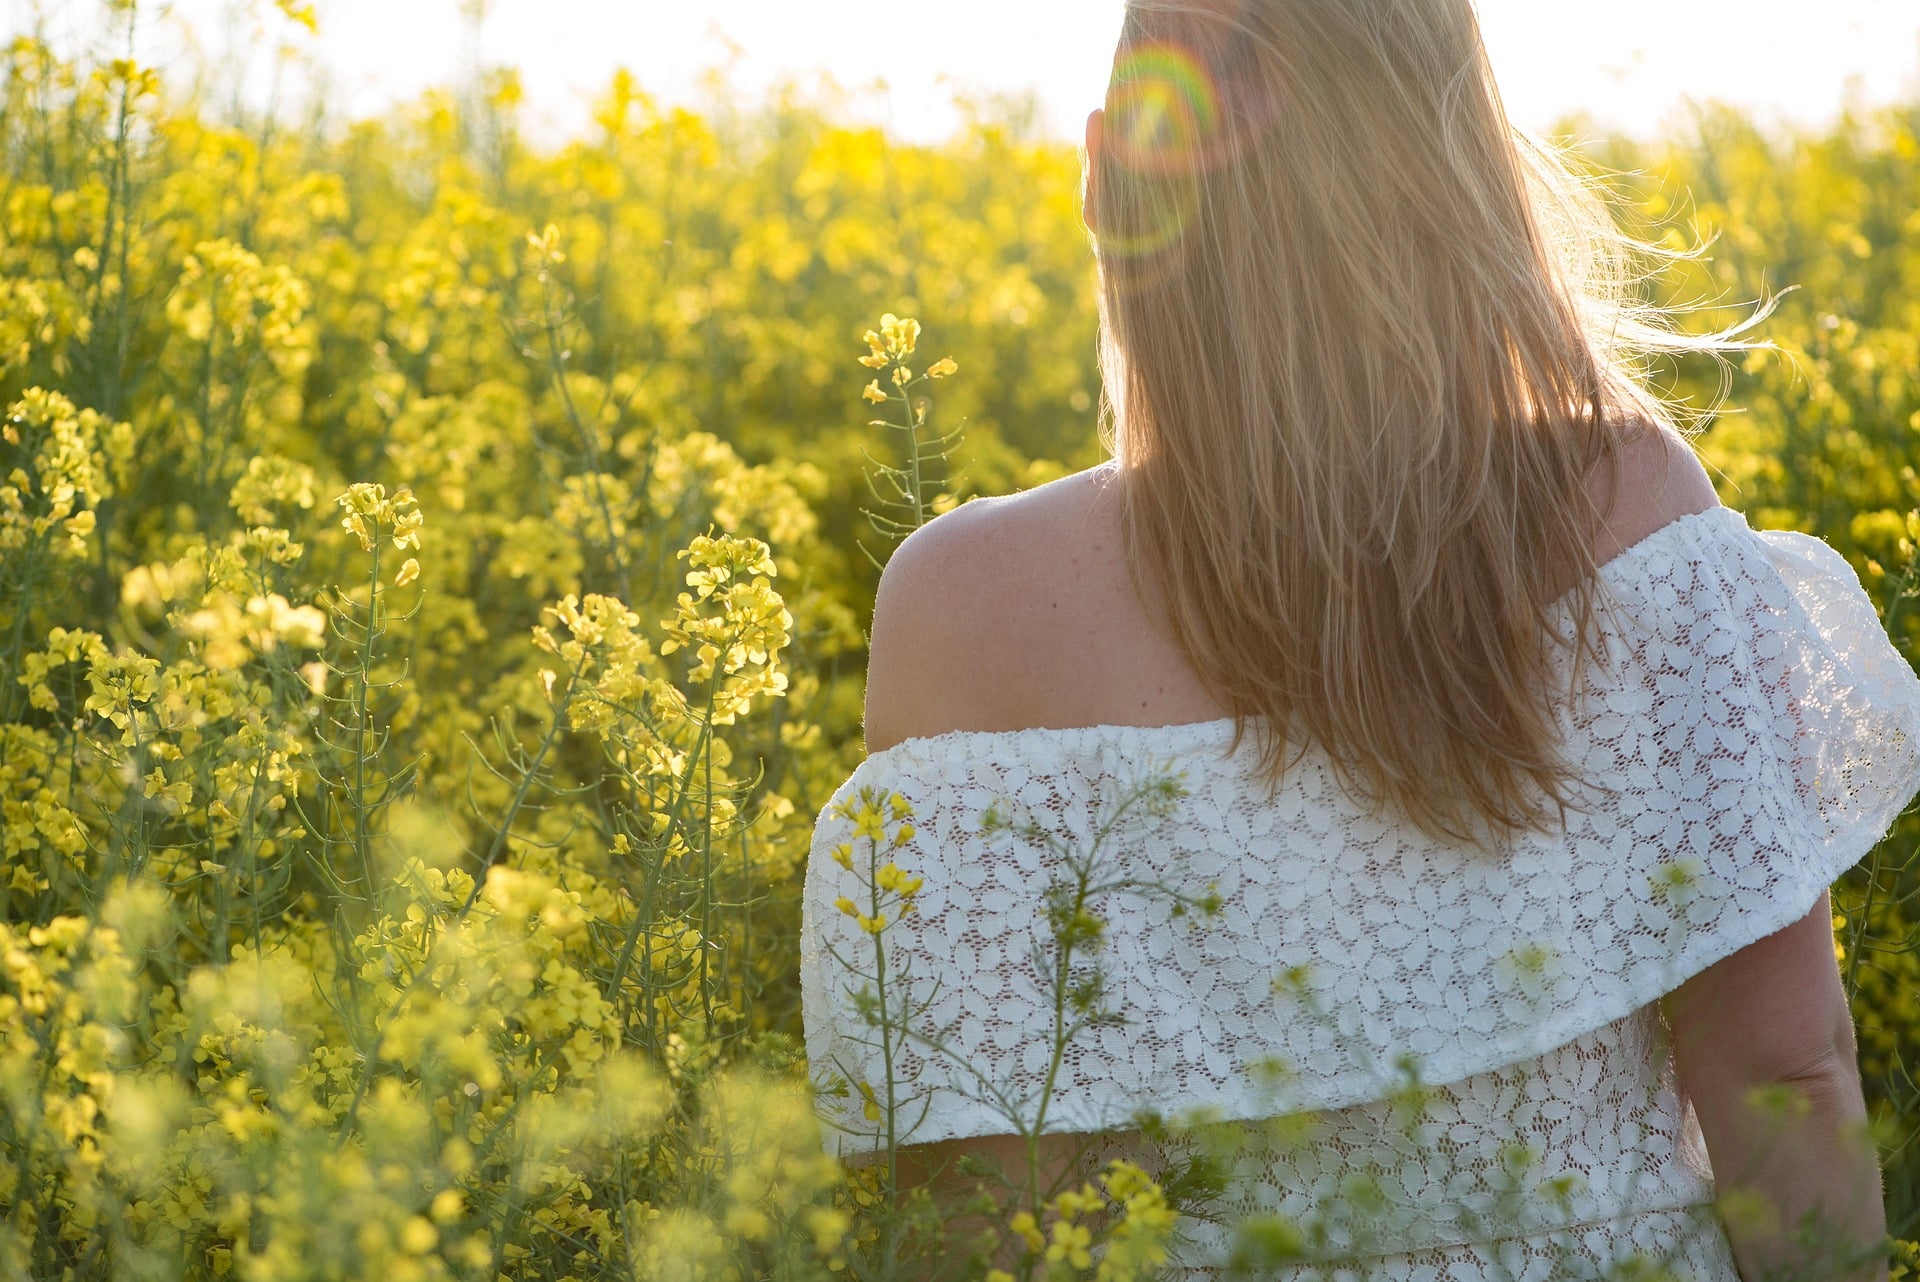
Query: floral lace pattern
[1749,736]
[1562,1166]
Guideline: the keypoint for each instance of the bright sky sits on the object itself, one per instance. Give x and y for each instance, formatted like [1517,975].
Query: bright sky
[1629,63]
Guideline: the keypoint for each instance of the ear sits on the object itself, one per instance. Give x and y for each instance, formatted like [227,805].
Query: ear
[1095,133]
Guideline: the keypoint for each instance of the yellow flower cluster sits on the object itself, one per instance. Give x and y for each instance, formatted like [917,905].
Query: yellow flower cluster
[48,499]
[609,664]
[1137,1224]
[371,515]
[734,621]
[889,346]
[226,291]
[232,633]
[394,949]
[41,837]
[271,483]
[886,887]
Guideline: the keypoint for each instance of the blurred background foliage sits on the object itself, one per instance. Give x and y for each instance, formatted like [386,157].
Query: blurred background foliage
[353,926]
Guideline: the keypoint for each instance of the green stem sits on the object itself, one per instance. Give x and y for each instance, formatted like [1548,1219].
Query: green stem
[706,875]
[16,644]
[673,821]
[886,1048]
[363,680]
[142,847]
[746,933]
[505,826]
[499,841]
[1062,983]
[557,364]
[913,458]
[1859,925]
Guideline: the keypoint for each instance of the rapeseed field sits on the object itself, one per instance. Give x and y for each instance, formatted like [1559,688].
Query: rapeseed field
[433,573]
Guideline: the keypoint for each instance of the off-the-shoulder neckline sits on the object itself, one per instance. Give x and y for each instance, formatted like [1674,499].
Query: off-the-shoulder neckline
[1201,731]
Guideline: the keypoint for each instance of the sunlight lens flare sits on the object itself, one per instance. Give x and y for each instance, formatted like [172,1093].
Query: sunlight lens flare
[1163,109]
[1159,107]
[1168,121]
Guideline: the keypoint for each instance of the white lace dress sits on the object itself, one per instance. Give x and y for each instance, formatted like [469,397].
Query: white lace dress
[1750,737]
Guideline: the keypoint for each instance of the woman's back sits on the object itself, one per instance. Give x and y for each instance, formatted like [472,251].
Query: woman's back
[1519,983]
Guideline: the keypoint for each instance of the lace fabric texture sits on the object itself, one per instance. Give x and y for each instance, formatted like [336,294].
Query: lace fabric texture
[1749,736]
[1566,1165]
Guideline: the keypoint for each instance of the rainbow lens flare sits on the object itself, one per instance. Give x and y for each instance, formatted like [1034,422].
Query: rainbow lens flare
[1163,110]
[1167,120]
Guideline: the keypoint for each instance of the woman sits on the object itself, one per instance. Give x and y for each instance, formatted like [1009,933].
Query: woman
[1513,764]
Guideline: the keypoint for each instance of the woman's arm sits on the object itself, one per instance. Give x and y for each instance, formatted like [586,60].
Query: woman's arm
[1763,1043]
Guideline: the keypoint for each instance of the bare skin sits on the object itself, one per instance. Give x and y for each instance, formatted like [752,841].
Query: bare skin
[1018,612]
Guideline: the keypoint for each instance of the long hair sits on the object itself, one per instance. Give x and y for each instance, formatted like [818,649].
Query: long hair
[1363,344]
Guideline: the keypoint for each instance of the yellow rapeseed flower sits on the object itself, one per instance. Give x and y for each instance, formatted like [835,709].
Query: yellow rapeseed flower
[418,1236]
[406,530]
[873,392]
[1072,1243]
[867,821]
[544,246]
[298,11]
[891,878]
[829,1227]
[942,368]
[901,334]
[1074,1203]
[1124,1179]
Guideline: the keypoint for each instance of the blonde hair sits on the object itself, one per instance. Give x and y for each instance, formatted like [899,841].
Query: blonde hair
[1363,343]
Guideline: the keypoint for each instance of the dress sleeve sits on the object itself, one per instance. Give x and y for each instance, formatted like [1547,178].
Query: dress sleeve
[1856,700]
[1756,734]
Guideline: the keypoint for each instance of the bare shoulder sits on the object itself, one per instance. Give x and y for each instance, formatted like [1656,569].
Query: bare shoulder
[959,594]
[1659,479]
[1015,611]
